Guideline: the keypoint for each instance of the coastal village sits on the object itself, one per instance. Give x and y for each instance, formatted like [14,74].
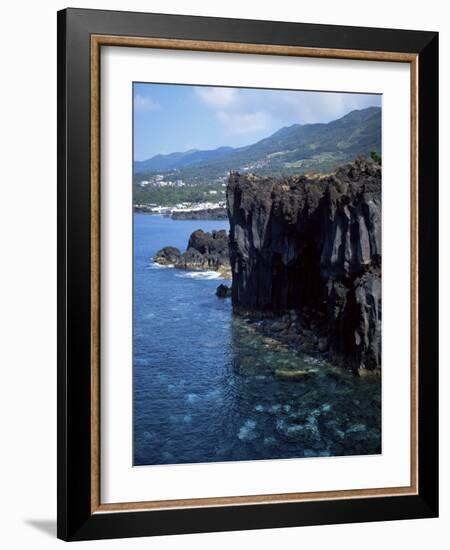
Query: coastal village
[182,207]
[213,198]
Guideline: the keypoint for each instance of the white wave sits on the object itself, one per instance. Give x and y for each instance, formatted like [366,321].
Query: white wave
[200,275]
[154,265]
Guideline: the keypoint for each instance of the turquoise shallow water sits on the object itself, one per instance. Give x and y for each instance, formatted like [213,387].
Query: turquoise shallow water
[204,385]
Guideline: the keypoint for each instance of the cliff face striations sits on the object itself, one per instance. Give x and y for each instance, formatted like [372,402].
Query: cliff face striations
[312,245]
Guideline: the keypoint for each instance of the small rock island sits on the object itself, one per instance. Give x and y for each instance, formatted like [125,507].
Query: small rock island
[205,251]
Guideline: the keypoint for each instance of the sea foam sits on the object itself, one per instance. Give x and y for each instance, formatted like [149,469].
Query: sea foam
[200,275]
[154,265]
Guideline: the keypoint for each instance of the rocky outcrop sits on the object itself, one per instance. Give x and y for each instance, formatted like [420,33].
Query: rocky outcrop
[223,291]
[312,245]
[205,214]
[142,209]
[169,255]
[205,251]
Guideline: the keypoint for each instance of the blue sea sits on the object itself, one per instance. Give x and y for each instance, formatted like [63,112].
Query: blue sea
[203,380]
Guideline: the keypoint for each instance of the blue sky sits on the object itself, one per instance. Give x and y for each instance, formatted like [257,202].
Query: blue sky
[170,117]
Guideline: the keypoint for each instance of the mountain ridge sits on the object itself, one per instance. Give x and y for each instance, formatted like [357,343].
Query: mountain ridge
[294,148]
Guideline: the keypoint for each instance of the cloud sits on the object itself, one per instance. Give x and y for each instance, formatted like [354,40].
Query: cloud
[218,97]
[312,107]
[145,103]
[233,109]
[246,110]
[243,123]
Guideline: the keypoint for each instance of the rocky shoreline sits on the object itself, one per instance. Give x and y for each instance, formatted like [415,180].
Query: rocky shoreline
[206,214]
[205,252]
[213,213]
[300,332]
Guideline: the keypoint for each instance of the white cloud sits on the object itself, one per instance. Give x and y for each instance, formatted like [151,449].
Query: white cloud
[234,110]
[242,123]
[310,107]
[145,103]
[218,97]
[245,111]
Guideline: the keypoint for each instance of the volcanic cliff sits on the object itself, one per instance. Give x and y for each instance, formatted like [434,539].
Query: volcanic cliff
[310,247]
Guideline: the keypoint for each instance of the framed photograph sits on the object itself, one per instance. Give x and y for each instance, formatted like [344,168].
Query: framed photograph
[247,274]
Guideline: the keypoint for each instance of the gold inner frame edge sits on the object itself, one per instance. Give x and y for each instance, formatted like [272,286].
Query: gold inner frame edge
[97,41]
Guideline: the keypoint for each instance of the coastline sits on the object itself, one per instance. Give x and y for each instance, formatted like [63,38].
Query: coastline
[203,375]
[201,211]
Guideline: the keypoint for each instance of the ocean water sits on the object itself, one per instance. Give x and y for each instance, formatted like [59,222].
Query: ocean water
[204,385]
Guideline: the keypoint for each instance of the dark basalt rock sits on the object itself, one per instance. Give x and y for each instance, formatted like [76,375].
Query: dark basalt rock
[205,251]
[206,214]
[169,255]
[223,291]
[312,245]
[213,246]
[142,209]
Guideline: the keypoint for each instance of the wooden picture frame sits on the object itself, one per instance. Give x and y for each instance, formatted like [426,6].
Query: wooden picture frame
[81,35]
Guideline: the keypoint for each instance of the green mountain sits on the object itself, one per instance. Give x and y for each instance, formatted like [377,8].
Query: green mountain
[164,163]
[299,148]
